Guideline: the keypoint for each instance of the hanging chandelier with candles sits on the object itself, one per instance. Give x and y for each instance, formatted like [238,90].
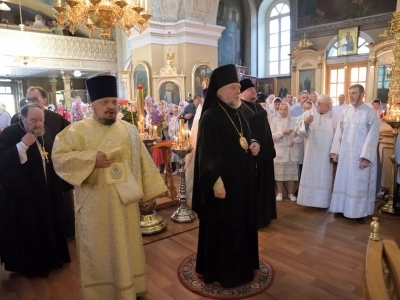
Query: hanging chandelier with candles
[102,14]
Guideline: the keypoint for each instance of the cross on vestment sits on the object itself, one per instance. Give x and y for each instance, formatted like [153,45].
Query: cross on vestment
[45,154]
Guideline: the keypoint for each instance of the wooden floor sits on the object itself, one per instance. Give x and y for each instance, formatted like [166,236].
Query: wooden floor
[314,255]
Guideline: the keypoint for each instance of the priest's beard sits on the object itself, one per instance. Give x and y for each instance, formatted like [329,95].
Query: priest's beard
[104,121]
[234,105]
[37,131]
[105,117]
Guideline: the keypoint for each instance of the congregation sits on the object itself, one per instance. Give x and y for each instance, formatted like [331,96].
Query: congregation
[247,155]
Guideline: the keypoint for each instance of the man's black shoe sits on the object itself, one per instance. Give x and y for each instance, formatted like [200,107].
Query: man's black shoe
[360,220]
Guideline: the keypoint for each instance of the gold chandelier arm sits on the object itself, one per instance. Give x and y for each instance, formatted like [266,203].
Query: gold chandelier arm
[104,15]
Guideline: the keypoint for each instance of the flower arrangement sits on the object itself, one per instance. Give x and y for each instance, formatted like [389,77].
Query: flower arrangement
[128,111]
[156,118]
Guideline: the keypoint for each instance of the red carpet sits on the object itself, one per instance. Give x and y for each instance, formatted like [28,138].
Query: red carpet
[187,275]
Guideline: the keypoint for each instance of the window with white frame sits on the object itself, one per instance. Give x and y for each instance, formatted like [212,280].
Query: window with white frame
[279,40]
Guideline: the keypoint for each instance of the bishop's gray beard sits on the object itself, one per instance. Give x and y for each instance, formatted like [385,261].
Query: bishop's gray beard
[234,105]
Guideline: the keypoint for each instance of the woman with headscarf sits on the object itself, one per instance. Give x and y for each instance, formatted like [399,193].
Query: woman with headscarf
[287,151]
[275,107]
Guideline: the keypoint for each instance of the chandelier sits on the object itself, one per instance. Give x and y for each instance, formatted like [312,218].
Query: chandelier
[102,14]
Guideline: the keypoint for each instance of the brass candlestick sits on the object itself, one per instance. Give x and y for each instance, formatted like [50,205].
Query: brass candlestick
[150,221]
[183,214]
[374,230]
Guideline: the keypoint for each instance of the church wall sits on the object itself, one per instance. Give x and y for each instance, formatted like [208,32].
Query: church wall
[190,55]
[321,42]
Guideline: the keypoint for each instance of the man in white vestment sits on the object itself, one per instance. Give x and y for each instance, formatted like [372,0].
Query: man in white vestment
[338,109]
[354,148]
[318,126]
[111,170]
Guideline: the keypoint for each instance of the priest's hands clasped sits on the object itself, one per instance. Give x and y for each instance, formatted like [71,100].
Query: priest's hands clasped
[254,148]
[102,161]
[28,139]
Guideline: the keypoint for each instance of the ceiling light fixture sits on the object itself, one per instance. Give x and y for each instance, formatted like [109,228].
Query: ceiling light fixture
[102,14]
[77,73]
[4,7]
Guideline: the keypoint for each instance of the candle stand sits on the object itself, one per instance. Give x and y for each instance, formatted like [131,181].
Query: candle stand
[183,214]
[150,221]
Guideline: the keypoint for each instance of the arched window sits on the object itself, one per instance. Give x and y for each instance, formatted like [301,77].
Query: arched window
[362,48]
[279,40]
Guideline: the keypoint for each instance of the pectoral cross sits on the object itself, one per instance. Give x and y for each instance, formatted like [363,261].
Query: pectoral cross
[45,154]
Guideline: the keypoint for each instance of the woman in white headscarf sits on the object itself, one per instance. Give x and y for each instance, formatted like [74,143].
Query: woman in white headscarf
[270,102]
[287,151]
[275,107]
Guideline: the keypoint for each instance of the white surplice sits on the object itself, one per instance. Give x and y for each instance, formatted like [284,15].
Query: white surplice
[356,137]
[337,110]
[315,188]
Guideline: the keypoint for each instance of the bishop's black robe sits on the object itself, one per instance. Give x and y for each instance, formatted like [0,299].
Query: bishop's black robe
[265,178]
[55,123]
[31,236]
[228,242]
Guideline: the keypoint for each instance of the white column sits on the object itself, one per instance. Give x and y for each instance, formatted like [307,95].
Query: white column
[125,89]
[53,84]
[67,89]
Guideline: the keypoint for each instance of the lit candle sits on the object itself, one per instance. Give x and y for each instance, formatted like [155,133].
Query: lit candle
[155,131]
[145,4]
[181,127]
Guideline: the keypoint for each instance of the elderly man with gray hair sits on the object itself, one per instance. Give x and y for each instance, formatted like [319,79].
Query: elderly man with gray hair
[318,126]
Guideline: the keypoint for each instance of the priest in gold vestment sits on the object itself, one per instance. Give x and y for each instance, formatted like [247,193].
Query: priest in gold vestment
[111,170]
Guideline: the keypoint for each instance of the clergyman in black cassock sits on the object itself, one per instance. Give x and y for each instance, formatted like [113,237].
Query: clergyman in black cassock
[54,123]
[31,237]
[260,130]
[228,241]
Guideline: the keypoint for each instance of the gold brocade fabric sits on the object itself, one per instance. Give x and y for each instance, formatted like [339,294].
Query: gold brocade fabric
[110,249]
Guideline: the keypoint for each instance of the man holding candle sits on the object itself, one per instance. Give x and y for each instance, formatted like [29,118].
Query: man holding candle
[223,189]
[111,169]
[259,125]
